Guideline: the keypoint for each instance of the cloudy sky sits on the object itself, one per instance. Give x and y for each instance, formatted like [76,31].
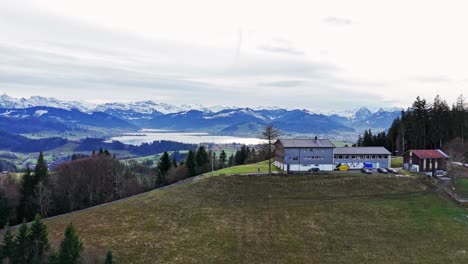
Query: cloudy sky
[319,55]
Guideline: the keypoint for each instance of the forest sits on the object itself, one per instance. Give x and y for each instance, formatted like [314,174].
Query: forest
[98,178]
[424,125]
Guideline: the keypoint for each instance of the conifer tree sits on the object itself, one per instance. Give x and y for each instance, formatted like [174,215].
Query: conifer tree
[231,160]
[4,209]
[164,164]
[7,246]
[222,158]
[41,170]
[191,163]
[202,157]
[109,259]
[28,205]
[71,247]
[21,245]
[38,240]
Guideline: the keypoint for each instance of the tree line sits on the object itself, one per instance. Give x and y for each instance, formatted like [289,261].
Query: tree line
[90,180]
[74,185]
[202,160]
[424,125]
[30,245]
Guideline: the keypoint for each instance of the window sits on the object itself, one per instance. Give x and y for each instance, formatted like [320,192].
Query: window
[296,158]
[353,157]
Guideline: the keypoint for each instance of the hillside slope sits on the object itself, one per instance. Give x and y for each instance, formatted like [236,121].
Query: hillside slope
[296,219]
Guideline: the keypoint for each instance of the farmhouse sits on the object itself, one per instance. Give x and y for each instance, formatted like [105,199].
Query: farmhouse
[304,154]
[360,157]
[426,160]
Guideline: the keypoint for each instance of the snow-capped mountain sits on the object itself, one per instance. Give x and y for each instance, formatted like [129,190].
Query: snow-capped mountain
[33,101]
[142,107]
[220,119]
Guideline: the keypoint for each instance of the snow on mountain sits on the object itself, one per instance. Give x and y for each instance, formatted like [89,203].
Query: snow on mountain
[144,107]
[33,101]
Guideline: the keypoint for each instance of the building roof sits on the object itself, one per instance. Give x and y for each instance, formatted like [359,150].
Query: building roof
[362,151]
[429,153]
[306,143]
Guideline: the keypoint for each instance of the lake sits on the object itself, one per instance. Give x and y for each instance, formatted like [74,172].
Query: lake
[150,135]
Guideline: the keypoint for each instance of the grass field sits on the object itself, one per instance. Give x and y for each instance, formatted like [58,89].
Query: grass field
[397,162]
[246,169]
[294,219]
[461,187]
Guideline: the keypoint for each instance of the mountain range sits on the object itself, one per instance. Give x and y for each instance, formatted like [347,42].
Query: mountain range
[37,114]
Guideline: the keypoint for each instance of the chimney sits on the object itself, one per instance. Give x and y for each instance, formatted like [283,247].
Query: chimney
[316,138]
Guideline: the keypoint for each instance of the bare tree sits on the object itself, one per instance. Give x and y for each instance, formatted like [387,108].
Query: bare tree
[456,150]
[44,198]
[270,134]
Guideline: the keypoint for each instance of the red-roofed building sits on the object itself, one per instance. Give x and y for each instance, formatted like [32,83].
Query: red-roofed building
[425,160]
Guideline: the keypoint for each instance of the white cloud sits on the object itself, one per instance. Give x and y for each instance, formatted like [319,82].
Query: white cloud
[235,52]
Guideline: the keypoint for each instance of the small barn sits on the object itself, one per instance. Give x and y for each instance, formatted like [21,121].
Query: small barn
[424,160]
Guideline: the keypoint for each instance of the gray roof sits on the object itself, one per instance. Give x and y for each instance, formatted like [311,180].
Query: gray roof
[362,151]
[306,143]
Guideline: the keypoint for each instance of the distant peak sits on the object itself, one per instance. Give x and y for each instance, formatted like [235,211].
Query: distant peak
[364,110]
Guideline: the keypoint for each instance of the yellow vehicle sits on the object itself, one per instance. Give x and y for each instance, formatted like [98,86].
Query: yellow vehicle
[343,167]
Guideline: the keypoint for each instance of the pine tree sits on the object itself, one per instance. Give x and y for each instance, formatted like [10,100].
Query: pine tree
[231,161]
[71,247]
[7,247]
[202,157]
[174,162]
[21,245]
[222,158]
[160,179]
[41,170]
[38,240]
[164,164]
[109,259]
[4,209]
[191,163]
[28,205]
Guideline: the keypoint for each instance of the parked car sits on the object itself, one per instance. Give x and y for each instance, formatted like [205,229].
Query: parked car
[343,167]
[439,173]
[382,170]
[314,170]
[392,170]
[366,171]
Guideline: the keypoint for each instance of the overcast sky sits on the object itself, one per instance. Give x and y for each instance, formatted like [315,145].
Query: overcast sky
[319,55]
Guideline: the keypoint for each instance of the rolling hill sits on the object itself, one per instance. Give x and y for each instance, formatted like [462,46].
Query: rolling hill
[296,219]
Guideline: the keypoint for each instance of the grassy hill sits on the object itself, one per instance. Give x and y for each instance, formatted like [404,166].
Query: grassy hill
[245,169]
[295,219]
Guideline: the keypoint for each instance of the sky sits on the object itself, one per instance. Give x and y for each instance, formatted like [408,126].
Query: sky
[318,55]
